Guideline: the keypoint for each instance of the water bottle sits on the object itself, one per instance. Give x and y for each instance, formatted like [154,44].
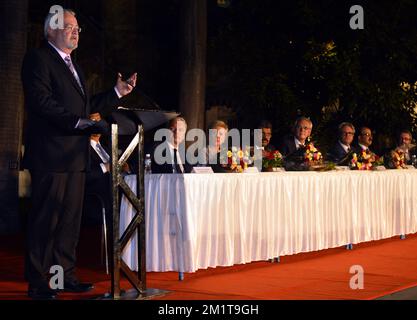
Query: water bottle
[148,164]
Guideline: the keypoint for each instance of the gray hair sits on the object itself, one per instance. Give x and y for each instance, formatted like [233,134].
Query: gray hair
[299,119]
[48,18]
[346,124]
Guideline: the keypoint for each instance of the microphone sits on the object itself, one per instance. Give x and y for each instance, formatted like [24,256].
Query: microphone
[149,99]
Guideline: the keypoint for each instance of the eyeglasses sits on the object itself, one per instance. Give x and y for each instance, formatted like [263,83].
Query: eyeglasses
[303,128]
[348,133]
[366,134]
[71,28]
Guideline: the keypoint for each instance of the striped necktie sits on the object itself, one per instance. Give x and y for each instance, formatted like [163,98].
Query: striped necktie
[72,69]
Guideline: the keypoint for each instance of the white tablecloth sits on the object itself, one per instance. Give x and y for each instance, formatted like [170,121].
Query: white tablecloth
[197,221]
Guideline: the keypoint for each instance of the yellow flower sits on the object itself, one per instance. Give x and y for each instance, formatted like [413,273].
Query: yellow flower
[330,45]
[405,86]
[240,154]
[229,154]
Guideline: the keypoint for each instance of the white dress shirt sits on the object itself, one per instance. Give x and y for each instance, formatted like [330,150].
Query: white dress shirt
[363,147]
[298,143]
[179,161]
[63,55]
[345,147]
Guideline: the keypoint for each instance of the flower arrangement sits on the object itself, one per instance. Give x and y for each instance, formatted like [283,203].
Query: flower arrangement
[395,159]
[272,159]
[362,160]
[238,160]
[307,157]
[311,154]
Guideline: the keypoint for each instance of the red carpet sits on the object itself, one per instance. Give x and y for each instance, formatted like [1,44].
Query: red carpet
[390,265]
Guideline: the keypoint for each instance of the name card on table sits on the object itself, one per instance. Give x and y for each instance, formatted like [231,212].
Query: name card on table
[202,170]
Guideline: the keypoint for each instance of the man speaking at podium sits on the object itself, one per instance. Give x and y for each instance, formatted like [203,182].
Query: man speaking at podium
[57,152]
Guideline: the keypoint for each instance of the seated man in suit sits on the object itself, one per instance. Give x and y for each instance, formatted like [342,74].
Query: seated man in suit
[343,146]
[169,156]
[98,177]
[364,139]
[301,131]
[404,142]
[266,128]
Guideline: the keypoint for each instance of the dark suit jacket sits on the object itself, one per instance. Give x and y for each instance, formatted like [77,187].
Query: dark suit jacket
[357,148]
[336,153]
[167,167]
[218,167]
[95,174]
[412,152]
[97,188]
[54,103]
[269,147]
[287,145]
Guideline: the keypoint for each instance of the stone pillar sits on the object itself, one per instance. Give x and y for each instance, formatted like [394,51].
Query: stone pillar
[13,29]
[193,61]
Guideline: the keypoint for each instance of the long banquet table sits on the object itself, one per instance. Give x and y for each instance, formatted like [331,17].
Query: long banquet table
[196,221]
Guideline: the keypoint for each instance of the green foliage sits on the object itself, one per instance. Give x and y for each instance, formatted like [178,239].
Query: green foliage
[282,59]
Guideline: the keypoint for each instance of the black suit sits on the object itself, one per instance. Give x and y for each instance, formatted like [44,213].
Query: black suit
[357,148]
[98,183]
[287,146]
[168,167]
[96,172]
[411,152]
[57,156]
[337,153]
[269,147]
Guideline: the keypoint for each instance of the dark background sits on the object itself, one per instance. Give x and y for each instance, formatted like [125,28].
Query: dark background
[265,59]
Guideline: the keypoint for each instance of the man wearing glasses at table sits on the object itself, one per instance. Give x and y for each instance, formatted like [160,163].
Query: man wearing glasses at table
[57,153]
[404,143]
[365,139]
[343,146]
[301,131]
